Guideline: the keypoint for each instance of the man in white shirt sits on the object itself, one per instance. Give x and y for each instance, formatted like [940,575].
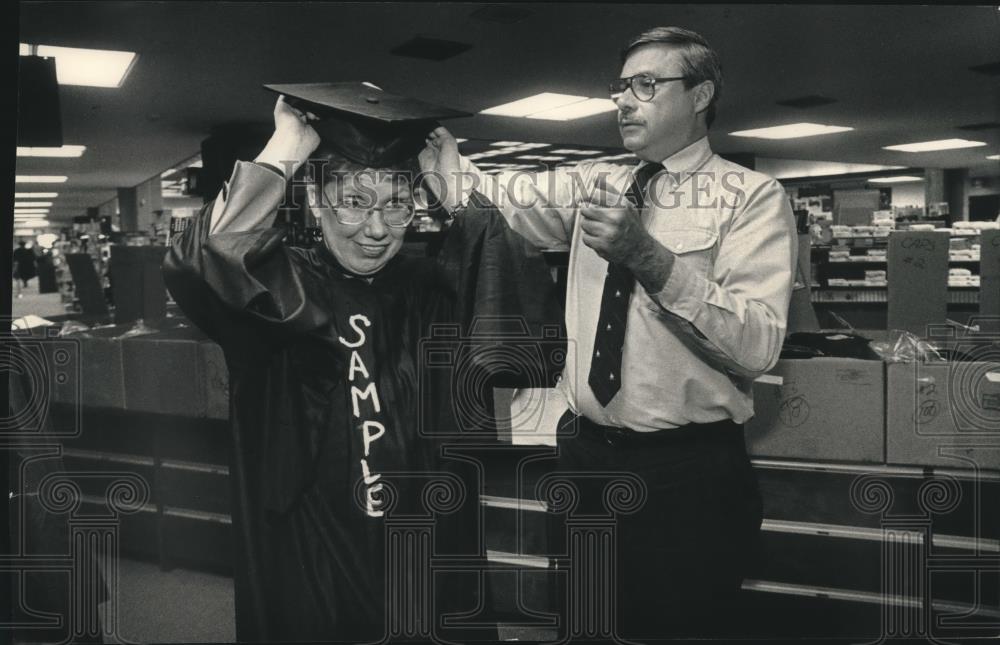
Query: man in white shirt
[680,275]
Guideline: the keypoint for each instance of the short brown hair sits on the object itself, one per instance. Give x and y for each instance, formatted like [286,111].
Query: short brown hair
[699,62]
[326,165]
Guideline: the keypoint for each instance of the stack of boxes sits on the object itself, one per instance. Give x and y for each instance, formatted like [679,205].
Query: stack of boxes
[926,412]
[929,408]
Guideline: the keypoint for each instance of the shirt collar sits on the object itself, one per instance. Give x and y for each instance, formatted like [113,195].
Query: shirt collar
[687,160]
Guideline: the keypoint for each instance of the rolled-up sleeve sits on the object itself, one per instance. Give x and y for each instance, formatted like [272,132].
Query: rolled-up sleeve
[740,316]
[539,206]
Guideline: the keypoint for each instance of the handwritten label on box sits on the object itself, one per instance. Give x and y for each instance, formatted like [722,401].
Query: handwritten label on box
[918,279]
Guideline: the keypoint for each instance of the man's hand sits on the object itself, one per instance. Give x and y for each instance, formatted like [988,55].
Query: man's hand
[618,235]
[442,165]
[293,139]
[612,226]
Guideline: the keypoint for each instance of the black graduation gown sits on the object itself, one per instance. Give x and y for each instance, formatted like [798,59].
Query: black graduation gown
[321,364]
[295,330]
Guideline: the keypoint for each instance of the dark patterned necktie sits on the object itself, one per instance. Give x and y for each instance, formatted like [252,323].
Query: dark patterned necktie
[605,377]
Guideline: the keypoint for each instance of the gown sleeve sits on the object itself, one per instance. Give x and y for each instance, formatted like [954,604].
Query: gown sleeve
[230,272]
[504,292]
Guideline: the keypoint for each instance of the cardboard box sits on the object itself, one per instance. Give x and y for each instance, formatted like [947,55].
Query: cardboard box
[528,416]
[827,409]
[96,367]
[945,414]
[101,367]
[163,373]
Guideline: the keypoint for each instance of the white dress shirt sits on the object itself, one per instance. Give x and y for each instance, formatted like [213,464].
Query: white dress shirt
[693,349]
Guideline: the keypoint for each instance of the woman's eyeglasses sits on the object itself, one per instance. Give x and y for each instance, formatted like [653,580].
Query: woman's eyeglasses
[395,215]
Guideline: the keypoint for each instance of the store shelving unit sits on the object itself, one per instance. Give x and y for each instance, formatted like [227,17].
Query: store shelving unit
[854,266]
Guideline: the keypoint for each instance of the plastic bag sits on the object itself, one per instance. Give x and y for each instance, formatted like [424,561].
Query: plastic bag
[73,327]
[140,328]
[906,347]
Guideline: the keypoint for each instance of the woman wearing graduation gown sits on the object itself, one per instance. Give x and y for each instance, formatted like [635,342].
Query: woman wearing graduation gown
[322,346]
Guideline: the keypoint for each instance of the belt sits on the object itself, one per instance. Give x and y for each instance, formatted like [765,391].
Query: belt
[715,432]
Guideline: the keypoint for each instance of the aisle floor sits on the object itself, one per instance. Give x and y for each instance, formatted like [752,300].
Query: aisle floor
[32,302]
[178,606]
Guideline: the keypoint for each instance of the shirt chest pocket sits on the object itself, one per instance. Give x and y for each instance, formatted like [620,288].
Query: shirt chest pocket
[696,248]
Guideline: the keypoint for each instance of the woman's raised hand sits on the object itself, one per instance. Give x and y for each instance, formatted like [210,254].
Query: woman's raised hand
[293,139]
[441,164]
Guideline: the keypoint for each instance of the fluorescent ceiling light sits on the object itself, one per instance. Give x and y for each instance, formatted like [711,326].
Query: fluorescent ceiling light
[898,179]
[994,157]
[460,140]
[30,210]
[791,131]
[578,110]
[505,144]
[533,146]
[35,195]
[553,106]
[940,144]
[797,168]
[62,151]
[31,204]
[550,158]
[485,154]
[567,151]
[35,223]
[533,104]
[90,67]
[40,179]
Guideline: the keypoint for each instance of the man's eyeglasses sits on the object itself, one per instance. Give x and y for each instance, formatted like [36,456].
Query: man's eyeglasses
[643,86]
[395,215]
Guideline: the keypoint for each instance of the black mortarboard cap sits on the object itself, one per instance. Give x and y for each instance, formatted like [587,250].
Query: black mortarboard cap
[364,123]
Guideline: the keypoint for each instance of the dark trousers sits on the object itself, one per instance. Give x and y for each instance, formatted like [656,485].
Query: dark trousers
[683,554]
